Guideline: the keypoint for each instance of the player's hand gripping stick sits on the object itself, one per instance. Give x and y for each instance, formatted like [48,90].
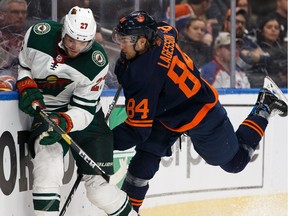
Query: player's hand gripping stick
[71,142]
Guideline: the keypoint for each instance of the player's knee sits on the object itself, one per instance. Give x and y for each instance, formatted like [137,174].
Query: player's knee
[238,162]
[106,196]
[48,168]
[144,165]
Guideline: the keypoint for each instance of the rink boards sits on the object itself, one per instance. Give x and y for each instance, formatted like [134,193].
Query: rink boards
[184,185]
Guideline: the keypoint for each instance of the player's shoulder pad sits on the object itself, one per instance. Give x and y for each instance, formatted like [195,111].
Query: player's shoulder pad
[46,27]
[44,35]
[165,28]
[97,56]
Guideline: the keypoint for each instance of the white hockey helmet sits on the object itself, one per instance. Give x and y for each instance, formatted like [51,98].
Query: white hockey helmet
[80,24]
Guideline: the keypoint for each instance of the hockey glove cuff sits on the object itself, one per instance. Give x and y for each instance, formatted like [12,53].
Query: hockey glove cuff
[29,93]
[64,121]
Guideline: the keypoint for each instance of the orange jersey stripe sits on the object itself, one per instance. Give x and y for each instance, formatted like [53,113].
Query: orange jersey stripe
[139,121]
[138,124]
[199,116]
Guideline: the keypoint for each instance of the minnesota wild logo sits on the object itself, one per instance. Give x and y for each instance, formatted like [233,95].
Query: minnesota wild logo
[53,85]
[41,28]
[98,58]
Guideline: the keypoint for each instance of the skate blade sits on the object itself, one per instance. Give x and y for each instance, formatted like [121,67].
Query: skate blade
[271,86]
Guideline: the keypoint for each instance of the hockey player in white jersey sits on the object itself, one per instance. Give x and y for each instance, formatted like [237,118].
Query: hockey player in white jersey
[63,70]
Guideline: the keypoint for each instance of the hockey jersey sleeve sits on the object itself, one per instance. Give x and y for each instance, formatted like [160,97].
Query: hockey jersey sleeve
[85,101]
[25,59]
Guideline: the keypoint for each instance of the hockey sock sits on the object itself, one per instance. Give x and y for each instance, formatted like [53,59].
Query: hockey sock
[136,194]
[251,131]
[48,202]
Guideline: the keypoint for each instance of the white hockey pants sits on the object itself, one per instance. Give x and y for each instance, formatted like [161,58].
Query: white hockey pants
[48,173]
[107,197]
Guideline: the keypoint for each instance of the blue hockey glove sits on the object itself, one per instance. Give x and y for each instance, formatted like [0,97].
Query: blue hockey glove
[29,93]
[64,121]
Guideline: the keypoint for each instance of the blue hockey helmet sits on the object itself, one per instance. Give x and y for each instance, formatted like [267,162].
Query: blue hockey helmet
[137,23]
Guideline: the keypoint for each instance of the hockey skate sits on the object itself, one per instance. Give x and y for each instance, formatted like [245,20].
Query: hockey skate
[270,101]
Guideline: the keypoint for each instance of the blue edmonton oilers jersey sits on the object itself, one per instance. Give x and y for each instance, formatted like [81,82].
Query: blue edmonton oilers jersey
[162,84]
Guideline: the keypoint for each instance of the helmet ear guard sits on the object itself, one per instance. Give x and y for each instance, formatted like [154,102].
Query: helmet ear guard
[79,24]
[137,23]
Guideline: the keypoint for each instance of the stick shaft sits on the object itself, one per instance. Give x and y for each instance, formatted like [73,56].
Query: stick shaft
[70,196]
[73,144]
[113,103]
[79,177]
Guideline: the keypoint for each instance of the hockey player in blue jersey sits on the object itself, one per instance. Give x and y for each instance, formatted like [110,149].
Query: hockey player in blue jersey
[63,70]
[165,96]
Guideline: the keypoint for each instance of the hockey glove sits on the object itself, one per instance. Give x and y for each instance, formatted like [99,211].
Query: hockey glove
[29,93]
[64,121]
[39,126]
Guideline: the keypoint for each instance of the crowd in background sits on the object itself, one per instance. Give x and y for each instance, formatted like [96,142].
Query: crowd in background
[204,34]
[261,44]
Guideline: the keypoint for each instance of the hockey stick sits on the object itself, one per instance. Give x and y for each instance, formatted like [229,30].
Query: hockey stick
[76,147]
[70,196]
[72,143]
[112,105]
[79,177]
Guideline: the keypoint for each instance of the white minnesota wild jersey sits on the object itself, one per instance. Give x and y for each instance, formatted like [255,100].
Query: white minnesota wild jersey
[72,85]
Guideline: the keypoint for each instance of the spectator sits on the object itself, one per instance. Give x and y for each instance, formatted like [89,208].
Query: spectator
[191,41]
[14,13]
[39,10]
[193,8]
[250,20]
[281,14]
[241,16]
[217,72]
[251,54]
[217,11]
[243,4]
[269,40]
